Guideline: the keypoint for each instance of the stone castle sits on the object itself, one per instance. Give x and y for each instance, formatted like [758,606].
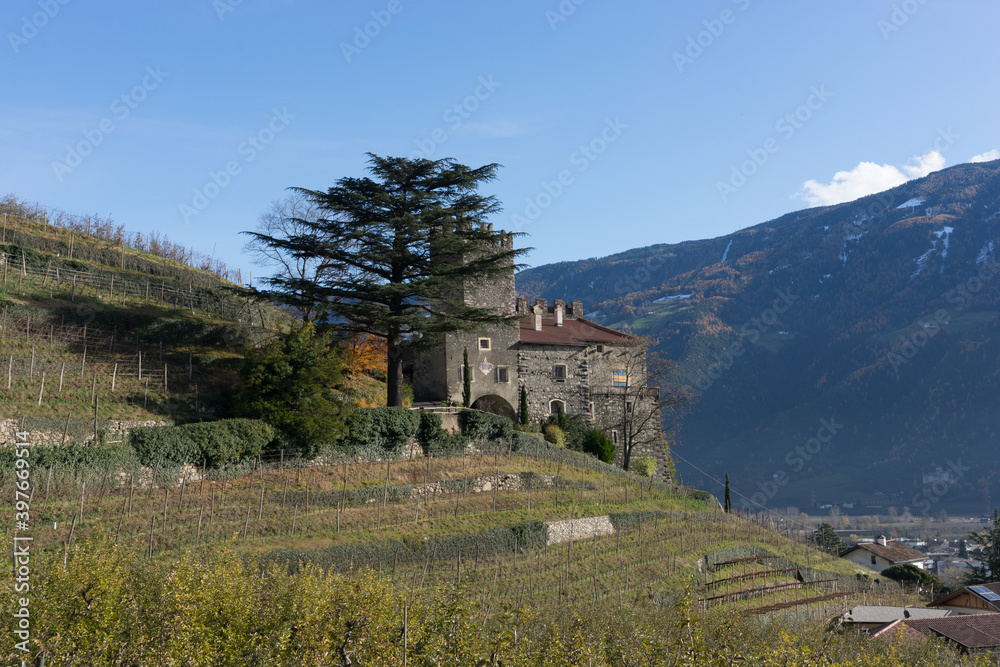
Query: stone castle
[562,359]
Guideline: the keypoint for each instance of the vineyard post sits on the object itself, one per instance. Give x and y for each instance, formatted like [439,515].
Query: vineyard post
[166,494]
[83,364]
[180,500]
[246,526]
[295,514]
[48,480]
[131,491]
[10,368]
[31,369]
[152,523]
[41,388]
[83,495]
[120,518]
[260,507]
[62,372]
[201,513]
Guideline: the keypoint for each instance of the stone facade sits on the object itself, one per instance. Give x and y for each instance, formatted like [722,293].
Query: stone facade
[558,357]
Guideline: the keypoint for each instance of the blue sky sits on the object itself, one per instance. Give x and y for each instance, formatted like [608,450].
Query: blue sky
[619,125]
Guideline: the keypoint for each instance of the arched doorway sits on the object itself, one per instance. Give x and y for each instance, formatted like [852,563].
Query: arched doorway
[496,405]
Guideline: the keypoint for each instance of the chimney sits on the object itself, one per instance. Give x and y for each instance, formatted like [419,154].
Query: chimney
[559,315]
[538,316]
[522,306]
[881,540]
[543,303]
[576,308]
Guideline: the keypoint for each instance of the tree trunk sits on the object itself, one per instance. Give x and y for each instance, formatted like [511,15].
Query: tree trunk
[394,375]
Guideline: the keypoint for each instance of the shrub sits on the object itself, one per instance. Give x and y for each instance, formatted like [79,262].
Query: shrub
[574,426]
[215,443]
[158,445]
[388,427]
[485,426]
[644,465]
[555,435]
[434,439]
[597,443]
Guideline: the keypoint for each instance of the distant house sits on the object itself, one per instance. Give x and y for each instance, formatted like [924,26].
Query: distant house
[883,553]
[983,599]
[974,635]
[872,618]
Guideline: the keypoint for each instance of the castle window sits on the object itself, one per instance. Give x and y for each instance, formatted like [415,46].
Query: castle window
[873,561]
[555,406]
[628,407]
[484,344]
[502,374]
[600,348]
[619,377]
[559,372]
[614,437]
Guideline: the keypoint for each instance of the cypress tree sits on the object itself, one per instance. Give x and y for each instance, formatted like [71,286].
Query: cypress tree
[466,380]
[729,502]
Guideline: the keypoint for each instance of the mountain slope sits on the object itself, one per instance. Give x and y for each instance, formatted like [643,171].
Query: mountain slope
[868,325]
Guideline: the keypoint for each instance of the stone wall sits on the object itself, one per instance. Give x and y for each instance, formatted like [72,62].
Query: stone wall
[117,430]
[535,364]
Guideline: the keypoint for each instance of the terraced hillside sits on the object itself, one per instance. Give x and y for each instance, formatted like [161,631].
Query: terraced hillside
[91,327]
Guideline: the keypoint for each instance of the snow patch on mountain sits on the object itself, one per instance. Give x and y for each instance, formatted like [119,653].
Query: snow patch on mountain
[679,297]
[844,252]
[911,203]
[984,253]
[726,254]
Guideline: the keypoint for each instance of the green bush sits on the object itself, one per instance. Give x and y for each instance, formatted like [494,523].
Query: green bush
[485,426]
[160,445]
[575,428]
[529,428]
[388,427]
[644,465]
[555,435]
[597,443]
[215,443]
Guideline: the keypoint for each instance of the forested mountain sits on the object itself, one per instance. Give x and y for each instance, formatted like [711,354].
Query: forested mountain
[869,325]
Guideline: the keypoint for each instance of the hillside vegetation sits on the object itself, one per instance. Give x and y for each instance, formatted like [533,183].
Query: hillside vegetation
[877,315]
[117,321]
[456,560]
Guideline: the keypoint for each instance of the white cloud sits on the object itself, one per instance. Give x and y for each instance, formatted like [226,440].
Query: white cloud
[867,178]
[988,156]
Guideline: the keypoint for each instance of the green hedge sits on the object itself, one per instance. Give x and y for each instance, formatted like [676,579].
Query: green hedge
[485,426]
[387,427]
[215,443]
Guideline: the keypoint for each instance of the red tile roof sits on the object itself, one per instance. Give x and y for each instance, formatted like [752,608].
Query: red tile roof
[895,552]
[577,332]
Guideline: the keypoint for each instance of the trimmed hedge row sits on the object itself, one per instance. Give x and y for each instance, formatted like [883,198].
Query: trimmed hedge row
[387,427]
[215,443]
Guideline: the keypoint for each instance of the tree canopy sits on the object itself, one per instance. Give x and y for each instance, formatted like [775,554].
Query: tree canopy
[395,250]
